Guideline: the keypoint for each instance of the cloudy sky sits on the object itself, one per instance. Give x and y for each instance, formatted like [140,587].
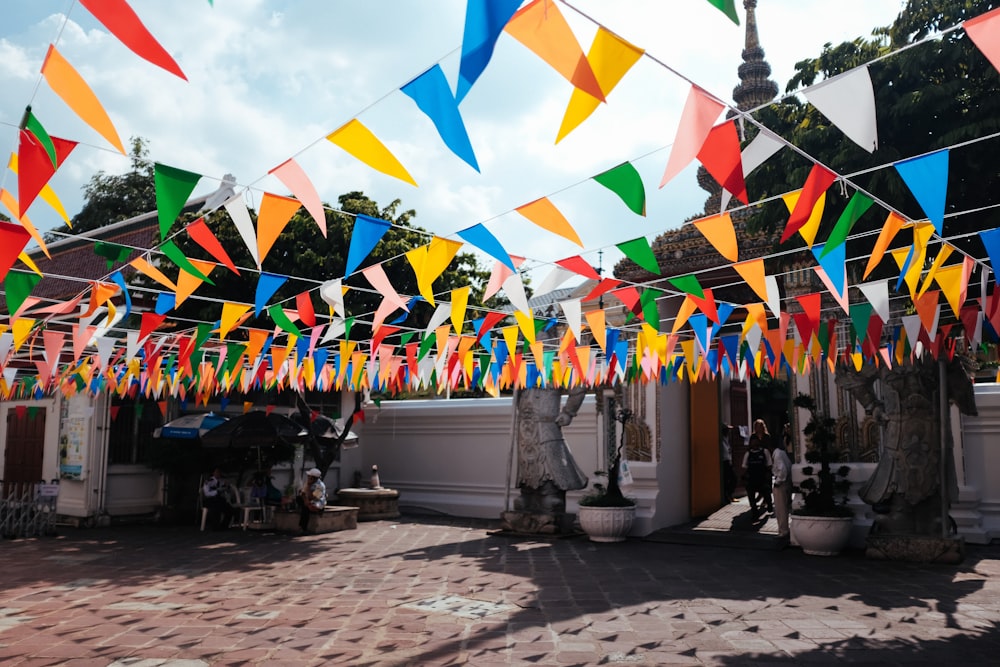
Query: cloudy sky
[269,79]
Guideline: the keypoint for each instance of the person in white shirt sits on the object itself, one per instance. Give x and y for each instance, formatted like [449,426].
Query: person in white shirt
[781,470]
[220,513]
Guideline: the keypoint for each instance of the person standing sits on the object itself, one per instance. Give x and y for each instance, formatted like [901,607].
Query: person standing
[313,497]
[757,469]
[781,470]
[220,513]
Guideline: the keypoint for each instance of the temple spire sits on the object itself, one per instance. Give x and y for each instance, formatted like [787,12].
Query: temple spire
[755,87]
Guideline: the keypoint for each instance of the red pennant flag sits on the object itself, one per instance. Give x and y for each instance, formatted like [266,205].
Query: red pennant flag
[122,22]
[114,411]
[490,321]
[13,238]
[721,156]
[304,306]
[150,321]
[35,168]
[706,305]
[606,285]
[358,416]
[579,266]
[270,408]
[820,178]
[203,236]
[812,308]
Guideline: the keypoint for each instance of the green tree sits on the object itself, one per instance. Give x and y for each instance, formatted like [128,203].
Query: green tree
[929,97]
[113,198]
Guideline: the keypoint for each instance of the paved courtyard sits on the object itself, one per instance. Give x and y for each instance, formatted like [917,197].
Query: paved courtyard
[427,591]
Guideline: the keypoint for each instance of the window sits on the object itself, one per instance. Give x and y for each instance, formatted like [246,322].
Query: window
[132,424]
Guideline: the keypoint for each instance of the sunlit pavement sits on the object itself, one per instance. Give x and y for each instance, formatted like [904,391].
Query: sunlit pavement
[421,591]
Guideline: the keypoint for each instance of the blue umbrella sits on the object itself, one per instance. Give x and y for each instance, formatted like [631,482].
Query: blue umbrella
[190,427]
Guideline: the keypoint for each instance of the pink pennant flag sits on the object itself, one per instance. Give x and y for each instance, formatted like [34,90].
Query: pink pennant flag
[699,115]
[295,179]
[376,276]
[984,31]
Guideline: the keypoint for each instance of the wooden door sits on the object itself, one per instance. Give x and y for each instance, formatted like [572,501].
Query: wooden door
[25,447]
[706,477]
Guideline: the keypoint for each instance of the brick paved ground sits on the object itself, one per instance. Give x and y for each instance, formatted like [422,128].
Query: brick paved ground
[424,591]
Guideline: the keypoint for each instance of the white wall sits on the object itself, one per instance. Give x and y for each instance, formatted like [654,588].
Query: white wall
[452,456]
[673,503]
[978,462]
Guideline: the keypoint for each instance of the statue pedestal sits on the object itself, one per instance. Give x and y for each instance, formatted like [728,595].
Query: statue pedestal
[372,504]
[916,548]
[537,523]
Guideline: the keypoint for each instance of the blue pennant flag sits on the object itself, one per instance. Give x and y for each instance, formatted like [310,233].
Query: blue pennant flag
[365,236]
[267,285]
[484,21]
[927,178]
[433,96]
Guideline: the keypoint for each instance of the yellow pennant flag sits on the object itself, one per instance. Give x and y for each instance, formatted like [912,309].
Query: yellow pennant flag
[943,254]
[21,329]
[953,281]
[526,322]
[8,200]
[459,303]
[543,213]
[140,264]
[231,313]
[510,337]
[188,283]
[275,212]
[720,232]
[611,57]
[74,91]
[811,226]
[910,277]
[47,194]
[358,140]
[24,257]
[430,261]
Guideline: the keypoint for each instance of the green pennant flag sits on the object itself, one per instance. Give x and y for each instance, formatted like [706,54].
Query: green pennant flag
[204,331]
[234,355]
[484,365]
[32,412]
[689,285]
[425,346]
[625,182]
[173,187]
[32,125]
[852,213]
[17,287]
[650,313]
[406,338]
[138,409]
[175,255]
[727,7]
[861,314]
[638,251]
[112,252]
[348,323]
[277,314]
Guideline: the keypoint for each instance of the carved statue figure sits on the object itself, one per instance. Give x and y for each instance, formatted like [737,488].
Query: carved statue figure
[905,488]
[545,466]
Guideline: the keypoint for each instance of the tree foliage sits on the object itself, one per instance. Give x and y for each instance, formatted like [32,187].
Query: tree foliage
[112,198]
[928,97]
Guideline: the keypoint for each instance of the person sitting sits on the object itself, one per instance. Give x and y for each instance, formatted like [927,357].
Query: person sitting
[312,496]
[263,490]
[220,512]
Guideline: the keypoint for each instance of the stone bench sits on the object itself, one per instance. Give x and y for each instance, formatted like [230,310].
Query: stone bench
[333,518]
[372,504]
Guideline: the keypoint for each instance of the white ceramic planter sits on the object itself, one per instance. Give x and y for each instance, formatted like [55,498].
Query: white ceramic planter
[606,524]
[821,535]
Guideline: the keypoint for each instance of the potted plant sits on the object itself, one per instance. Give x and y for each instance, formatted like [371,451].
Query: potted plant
[606,515]
[822,526]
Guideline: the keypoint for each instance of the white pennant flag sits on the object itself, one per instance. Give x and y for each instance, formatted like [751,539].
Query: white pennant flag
[773,295]
[336,329]
[556,278]
[332,292]
[514,289]
[877,294]
[440,316]
[848,100]
[571,308]
[757,152]
[6,340]
[105,346]
[244,225]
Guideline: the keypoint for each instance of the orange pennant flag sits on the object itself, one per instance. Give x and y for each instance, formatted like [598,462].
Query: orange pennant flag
[100,293]
[74,91]
[187,283]
[890,228]
[684,312]
[720,232]
[541,27]
[597,321]
[611,57]
[275,212]
[752,272]
[141,265]
[927,308]
[543,213]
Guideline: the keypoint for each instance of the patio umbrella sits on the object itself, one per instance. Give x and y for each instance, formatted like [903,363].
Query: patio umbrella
[328,428]
[255,429]
[190,427]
